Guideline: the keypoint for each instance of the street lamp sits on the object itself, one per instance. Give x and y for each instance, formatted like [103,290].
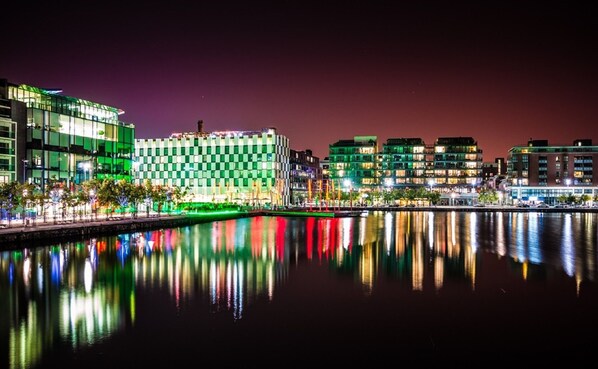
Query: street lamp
[347,184]
[92,200]
[25,161]
[519,180]
[25,203]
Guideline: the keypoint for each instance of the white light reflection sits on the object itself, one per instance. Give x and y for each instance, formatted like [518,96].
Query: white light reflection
[519,238]
[88,275]
[500,235]
[388,231]
[473,231]
[533,243]
[347,223]
[453,230]
[431,229]
[26,271]
[40,278]
[567,250]
[362,232]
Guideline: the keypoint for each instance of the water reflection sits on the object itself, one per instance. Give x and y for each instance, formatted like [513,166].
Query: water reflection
[80,292]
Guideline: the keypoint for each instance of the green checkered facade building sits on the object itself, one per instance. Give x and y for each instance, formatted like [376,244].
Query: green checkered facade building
[245,167]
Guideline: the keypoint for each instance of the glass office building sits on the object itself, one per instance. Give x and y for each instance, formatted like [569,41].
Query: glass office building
[70,139]
[244,167]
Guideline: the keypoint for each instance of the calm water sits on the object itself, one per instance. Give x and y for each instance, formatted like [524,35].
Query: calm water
[409,287]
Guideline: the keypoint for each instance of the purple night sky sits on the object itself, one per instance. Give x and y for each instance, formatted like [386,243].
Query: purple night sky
[501,72]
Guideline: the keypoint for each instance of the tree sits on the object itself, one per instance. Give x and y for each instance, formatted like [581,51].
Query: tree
[434,197]
[124,191]
[178,194]
[9,197]
[488,195]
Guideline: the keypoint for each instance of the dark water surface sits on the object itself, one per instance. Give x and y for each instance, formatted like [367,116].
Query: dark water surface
[404,288]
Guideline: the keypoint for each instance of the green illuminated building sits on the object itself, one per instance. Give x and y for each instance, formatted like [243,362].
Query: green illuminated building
[245,167]
[65,138]
[8,144]
[355,163]
[453,163]
[404,162]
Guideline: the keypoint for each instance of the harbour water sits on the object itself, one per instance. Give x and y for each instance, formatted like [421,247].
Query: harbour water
[409,287]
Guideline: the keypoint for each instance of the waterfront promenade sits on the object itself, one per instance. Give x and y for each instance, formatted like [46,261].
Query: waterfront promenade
[18,234]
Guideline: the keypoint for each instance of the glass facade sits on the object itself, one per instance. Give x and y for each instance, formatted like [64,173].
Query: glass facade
[543,172]
[245,167]
[457,162]
[8,159]
[356,163]
[452,162]
[404,162]
[72,140]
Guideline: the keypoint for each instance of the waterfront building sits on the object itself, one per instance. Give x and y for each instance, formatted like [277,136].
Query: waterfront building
[245,167]
[65,139]
[404,162]
[451,164]
[305,176]
[8,143]
[457,162]
[356,163]
[540,172]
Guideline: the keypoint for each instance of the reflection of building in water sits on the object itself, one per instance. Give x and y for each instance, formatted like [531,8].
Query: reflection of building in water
[60,294]
[80,292]
[242,260]
[410,246]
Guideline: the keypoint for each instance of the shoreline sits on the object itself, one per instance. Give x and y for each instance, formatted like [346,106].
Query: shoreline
[18,235]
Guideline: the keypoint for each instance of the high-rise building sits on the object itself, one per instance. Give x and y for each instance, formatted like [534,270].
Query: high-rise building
[65,139]
[305,176]
[245,167]
[543,172]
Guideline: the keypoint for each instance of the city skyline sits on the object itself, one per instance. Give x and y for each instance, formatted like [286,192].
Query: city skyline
[319,73]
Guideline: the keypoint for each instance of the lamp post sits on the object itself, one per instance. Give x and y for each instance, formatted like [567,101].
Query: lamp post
[25,161]
[347,183]
[25,201]
[519,191]
[92,200]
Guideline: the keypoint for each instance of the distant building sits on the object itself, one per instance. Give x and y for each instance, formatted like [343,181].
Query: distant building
[543,172]
[452,163]
[404,162]
[305,176]
[355,163]
[245,167]
[457,162]
[61,138]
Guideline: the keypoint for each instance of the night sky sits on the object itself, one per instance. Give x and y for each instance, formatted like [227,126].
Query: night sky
[502,72]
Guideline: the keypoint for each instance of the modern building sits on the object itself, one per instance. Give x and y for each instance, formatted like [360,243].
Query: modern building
[8,143]
[65,139]
[457,162]
[540,172]
[245,167]
[452,164]
[305,176]
[356,163]
[404,162]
